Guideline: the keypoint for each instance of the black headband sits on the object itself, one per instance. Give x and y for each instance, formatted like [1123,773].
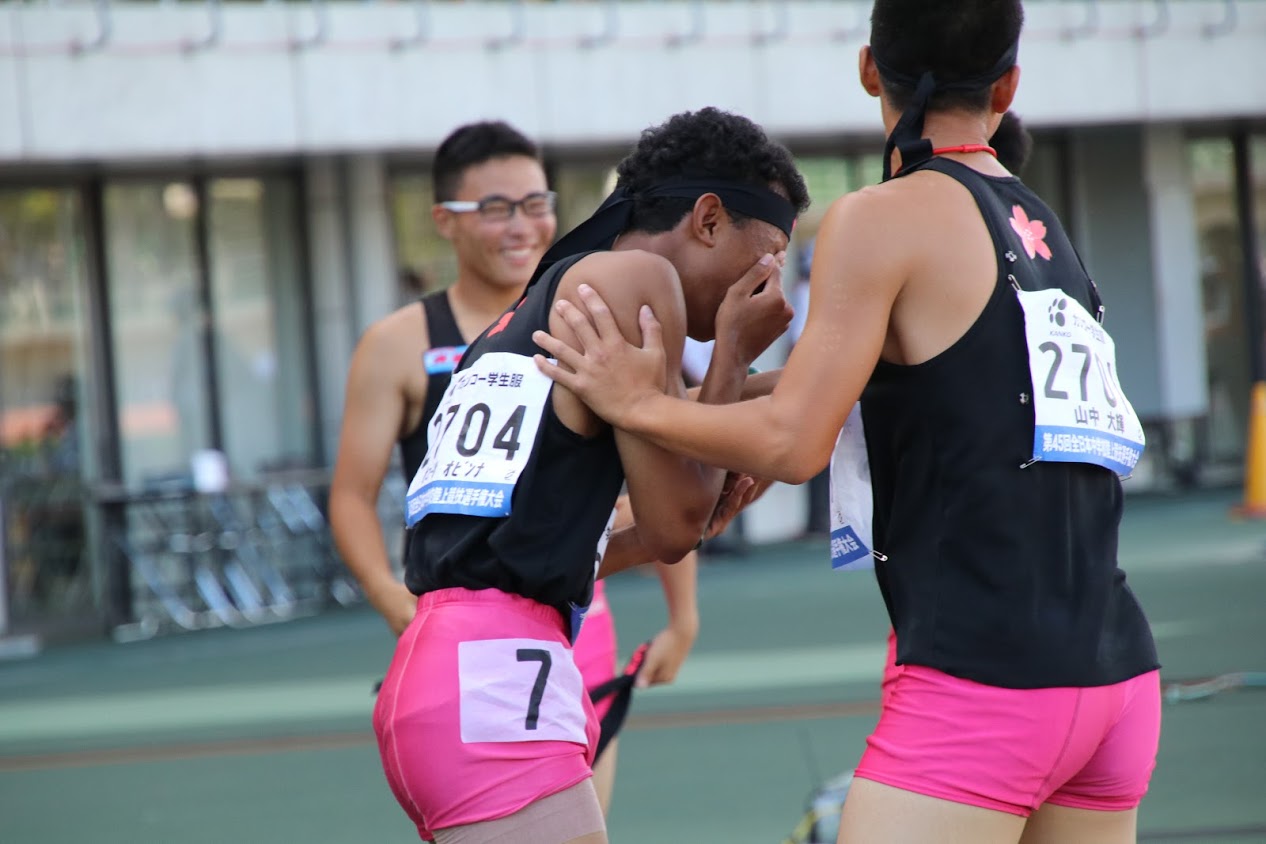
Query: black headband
[907,135]
[613,215]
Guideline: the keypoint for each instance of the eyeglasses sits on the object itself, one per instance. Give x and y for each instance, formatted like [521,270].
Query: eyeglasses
[500,208]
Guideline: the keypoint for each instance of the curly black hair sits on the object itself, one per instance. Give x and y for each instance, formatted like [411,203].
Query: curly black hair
[705,143]
[1012,142]
[955,39]
[471,144]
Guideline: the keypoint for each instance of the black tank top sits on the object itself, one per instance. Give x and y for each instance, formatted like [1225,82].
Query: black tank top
[544,550]
[996,573]
[446,346]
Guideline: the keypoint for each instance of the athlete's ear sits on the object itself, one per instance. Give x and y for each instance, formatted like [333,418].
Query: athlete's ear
[445,221]
[1003,93]
[867,72]
[706,218]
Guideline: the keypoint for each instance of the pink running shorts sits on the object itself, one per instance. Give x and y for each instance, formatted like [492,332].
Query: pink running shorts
[595,649]
[483,710]
[1011,750]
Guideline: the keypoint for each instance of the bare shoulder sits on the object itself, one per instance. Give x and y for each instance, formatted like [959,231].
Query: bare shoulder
[871,208]
[633,270]
[401,330]
[393,345]
[627,280]
[865,237]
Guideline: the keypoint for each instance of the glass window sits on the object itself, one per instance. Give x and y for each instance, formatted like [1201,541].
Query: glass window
[258,309]
[156,316]
[1222,287]
[44,377]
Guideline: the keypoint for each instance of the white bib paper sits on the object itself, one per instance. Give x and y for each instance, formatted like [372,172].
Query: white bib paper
[1080,410]
[520,690]
[852,498]
[480,439]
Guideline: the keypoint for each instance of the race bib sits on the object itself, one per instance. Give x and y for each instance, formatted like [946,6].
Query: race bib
[852,498]
[515,690]
[480,439]
[1081,413]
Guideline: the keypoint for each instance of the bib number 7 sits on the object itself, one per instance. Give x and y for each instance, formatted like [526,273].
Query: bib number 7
[514,690]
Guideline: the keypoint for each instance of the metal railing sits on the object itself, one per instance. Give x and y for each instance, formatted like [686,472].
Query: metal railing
[254,554]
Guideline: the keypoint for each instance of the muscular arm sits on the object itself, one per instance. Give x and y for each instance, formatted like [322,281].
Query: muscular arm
[673,496]
[373,412]
[789,434]
[756,385]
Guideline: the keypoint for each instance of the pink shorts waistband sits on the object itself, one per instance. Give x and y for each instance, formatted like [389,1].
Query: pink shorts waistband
[508,600]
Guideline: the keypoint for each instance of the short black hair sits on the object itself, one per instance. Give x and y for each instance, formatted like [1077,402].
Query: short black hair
[1012,142]
[954,39]
[709,143]
[472,144]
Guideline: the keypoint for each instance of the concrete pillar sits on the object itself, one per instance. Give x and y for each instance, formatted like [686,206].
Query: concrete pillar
[373,265]
[331,307]
[1175,251]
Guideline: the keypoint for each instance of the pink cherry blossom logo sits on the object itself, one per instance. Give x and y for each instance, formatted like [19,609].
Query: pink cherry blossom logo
[1032,233]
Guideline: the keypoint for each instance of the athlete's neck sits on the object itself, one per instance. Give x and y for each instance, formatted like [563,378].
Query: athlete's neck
[643,241]
[477,304]
[952,129]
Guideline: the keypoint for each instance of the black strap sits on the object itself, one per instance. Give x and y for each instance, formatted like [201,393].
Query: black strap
[907,135]
[613,215]
[622,688]
[441,325]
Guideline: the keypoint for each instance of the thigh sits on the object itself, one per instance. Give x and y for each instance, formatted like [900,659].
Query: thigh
[604,774]
[571,816]
[1052,824]
[875,812]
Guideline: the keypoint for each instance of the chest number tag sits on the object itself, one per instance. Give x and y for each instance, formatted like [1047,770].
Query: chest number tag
[1080,410]
[480,439]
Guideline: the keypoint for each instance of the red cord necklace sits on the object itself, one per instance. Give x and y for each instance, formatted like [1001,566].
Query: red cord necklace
[967,148]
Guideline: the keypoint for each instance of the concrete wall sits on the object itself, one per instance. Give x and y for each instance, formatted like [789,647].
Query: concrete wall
[318,77]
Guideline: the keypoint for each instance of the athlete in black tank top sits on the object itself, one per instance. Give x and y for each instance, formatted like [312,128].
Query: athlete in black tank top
[568,481]
[446,348]
[999,574]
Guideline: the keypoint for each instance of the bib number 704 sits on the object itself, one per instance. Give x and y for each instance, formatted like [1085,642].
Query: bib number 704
[475,425]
